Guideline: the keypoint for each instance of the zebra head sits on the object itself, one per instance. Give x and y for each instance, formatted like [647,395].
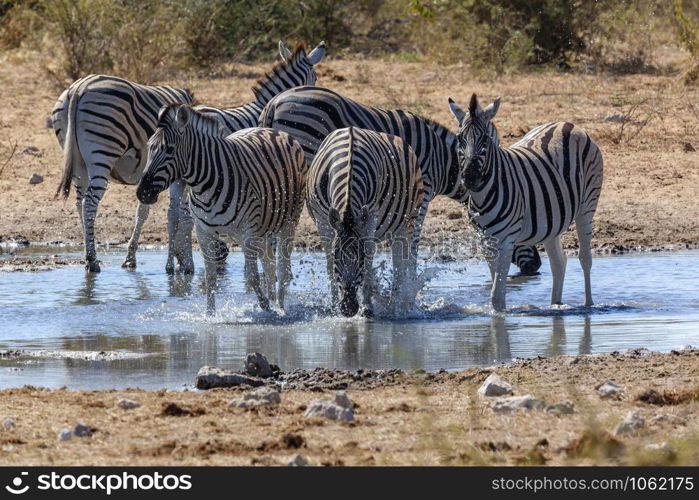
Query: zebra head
[295,69]
[476,136]
[169,148]
[348,256]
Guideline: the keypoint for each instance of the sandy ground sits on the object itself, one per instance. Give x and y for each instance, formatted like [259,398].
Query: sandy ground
[650,195]
[414,419]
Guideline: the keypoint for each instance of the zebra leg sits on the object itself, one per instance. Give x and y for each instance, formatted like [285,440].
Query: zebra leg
[206,242]
[401,263]
[91,201]
[502,267]
[369,277]
[557,259]
[269,268]
[183,233]
[141,217]
[326,239]
[583,226]
[284,275]
[411,275]
[252,274]
[173,218]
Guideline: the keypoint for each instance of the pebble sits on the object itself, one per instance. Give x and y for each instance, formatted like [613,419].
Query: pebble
[564,408]
[210,377]
[630,424]
[609,389]
[343,400]
[36,179]
[65,435]
[515,403]
[82,430]
[256,364]
[128,404]
[9,423]
[297,460]
[263,396]
[663,447]
[494,385]
[329,410]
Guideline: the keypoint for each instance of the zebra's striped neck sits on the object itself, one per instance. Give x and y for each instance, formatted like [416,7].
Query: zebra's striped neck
[453,188]
[295,71]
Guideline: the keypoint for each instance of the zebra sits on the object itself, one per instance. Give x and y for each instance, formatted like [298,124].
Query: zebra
[247,186]
[364,187]
[310,113]
[108,121]
[111,121]
[530,192]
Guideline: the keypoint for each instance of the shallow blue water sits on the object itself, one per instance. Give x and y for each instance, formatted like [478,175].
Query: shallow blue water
[644,300]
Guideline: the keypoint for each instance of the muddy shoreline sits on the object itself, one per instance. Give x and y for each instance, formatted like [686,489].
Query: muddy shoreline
[411,418]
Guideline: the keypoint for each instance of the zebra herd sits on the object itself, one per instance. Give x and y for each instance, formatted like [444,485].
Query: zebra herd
[366,174]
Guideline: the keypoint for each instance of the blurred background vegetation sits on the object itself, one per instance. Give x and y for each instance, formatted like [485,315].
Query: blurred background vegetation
[147,40]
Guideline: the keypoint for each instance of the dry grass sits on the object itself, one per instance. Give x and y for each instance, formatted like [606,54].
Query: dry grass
[435,419]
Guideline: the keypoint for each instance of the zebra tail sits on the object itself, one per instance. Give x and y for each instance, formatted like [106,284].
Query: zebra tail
[71,152]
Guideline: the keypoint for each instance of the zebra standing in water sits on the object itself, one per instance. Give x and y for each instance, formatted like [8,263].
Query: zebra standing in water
[531,192]
[108,122]
[248,187]
[311,113]
[364,187]
[114,120]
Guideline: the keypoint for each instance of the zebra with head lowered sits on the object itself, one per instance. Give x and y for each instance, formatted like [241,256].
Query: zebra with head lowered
[364,187]
[531,192]
[247,187]
[311,113]
[119,116]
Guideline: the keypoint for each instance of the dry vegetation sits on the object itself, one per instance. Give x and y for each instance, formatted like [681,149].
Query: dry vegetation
[423,419]
[650,195]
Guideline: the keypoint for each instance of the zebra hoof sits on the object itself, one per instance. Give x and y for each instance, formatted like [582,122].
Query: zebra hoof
[169,268]
[129,264]
[264,304]
[93,266]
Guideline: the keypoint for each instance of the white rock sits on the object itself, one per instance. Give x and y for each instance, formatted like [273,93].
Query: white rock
[65,435]
[36,179]
[262,396]
[632,423]
[9,423]
[328,409]
[615,117]
[82,430]
[298,460]
[128,404]
[663,447]
[343,400]
[515,403]
[609,389]
[564,408]
[494,385]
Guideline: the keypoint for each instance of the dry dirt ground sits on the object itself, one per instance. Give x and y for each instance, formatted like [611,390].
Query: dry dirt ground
[651,189]
[415,419]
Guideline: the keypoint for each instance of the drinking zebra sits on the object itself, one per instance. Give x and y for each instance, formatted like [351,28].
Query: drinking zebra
[364,187]
[311,113]
[114,120]
[531,192]
[247,187]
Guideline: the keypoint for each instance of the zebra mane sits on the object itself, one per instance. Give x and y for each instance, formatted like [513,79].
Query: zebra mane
[347,216]
[277,70]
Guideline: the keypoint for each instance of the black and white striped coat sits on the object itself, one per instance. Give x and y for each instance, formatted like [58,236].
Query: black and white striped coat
[103,131]
[311,113]
[531,192]
[247,187]
[364,187]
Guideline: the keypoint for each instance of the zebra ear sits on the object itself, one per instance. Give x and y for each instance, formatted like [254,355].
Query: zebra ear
[456,110]
[284,51]
[335,219]
[490,112]
[182,116]
[317,54]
